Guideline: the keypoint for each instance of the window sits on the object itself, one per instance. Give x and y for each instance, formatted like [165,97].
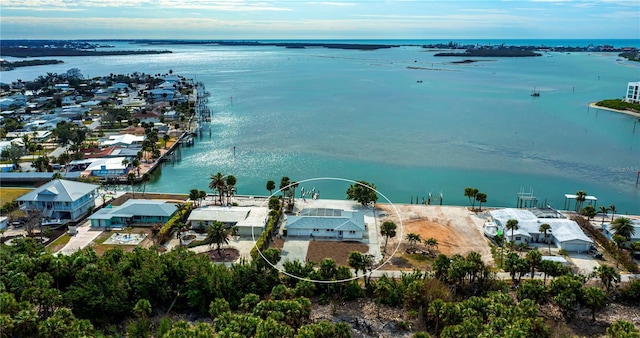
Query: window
[316,230]
[518,238]
[352,232]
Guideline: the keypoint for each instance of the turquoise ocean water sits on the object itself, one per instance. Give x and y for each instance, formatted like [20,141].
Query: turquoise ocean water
[403,119]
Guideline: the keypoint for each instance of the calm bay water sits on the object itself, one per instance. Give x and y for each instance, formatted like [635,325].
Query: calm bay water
[308,113]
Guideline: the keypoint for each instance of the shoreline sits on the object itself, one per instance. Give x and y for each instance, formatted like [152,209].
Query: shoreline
[627,112]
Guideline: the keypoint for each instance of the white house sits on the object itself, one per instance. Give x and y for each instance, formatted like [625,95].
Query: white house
[564,234]
[125,140]
[326,223]
[61,199]
[108,167]
[633,92]
[607,231]
[247,220]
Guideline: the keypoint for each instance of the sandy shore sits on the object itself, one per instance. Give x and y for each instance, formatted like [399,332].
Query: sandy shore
[593,105]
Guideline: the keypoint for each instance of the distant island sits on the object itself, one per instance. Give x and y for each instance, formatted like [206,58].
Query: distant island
[7,65]
[294,45]
[38,48]
[499,52]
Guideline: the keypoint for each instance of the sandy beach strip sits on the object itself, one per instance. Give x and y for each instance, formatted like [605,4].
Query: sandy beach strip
[593,105]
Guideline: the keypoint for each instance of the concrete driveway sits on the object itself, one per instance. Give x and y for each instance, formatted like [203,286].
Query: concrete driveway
[292,250]
[585,263]
[81,239]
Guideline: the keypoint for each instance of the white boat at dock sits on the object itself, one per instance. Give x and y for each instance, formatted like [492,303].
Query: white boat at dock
[490,229]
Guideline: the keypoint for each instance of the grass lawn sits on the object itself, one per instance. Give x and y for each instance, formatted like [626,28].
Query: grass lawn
[9,194]
[59,243]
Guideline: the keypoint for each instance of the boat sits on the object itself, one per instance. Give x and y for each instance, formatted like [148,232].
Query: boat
[52,222]
[535,93]
[490,229]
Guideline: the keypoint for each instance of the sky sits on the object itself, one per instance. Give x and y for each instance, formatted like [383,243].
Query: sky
[355,19]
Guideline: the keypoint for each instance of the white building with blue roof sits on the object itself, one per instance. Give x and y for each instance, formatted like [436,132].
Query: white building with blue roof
[327,223]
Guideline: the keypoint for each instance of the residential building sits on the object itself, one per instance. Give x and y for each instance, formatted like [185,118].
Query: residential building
[108,167]
[249,221]
[61,199]
[327,223]
[134,212]
[609,232]
[125,140]
[564,234]
[633,92]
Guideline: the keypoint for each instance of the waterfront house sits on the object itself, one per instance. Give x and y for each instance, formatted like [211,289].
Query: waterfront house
[134,212]
[327,223]
[564,234]
[61,199]
[635,222]
[4,221]
[247,220]
[108,167]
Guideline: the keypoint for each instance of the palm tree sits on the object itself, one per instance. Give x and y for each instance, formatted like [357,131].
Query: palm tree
[284,185]
[471,194]
[413,238]
[612,207]
[270,186]
[388,230]
[218,184]
[581,196]
[512,225]
[603,210]
[131,178]
[145,178]
[481,198]
[623,227]
[217,234]
[544,227]
[430,243]
[230,187]
[136,165]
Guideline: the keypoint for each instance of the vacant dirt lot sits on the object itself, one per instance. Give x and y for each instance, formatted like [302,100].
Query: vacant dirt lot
[339,251]
[457,230]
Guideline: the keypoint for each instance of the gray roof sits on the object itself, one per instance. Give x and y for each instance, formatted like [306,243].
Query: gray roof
[346,221]
[59,191]
[221,214]
[135,207]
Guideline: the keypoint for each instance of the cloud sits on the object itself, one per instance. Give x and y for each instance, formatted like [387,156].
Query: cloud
[219,5]
[331,3]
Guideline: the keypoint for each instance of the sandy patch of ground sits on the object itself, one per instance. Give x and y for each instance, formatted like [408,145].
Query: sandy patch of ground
[457,230]
[339,251]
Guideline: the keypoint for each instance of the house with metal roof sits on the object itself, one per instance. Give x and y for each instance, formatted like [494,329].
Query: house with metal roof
[635,223]
[326,223]
[248,221]
[134,212]
[61,199]
[564,234]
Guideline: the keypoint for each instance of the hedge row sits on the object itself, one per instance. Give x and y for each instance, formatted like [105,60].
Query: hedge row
[265,237]
[165,231]
[608,245]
